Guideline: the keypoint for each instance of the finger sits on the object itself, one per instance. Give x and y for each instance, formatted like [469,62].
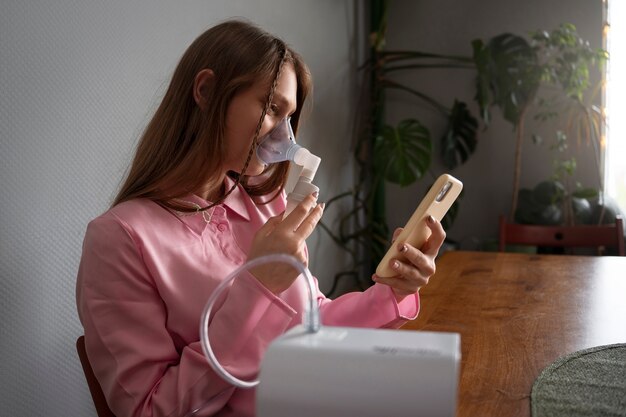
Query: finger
[412,274]
[424,263]
[435,240]
[293,220]
[398,283]
[308,224]
[409,275]
[396,233]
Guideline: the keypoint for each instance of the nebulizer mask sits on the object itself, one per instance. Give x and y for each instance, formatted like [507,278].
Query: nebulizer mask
[280,145]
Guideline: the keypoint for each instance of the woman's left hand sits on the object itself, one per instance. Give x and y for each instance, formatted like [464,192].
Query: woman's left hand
[419,264]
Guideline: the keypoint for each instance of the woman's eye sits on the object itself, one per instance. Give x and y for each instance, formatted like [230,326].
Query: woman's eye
[274,109]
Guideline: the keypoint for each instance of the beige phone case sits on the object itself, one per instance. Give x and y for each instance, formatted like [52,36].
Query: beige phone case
[436,203]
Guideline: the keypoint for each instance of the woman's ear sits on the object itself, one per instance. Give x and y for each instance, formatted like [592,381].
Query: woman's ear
[202,86]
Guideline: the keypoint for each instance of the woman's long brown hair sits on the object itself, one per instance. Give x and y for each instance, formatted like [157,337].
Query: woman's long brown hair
[183,146]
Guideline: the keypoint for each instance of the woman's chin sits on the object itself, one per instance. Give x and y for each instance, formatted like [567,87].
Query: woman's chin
[255,170]
[258,169]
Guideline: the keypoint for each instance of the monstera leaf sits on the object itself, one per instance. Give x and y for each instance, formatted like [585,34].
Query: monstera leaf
[459,141]
[508,75]
[403,154]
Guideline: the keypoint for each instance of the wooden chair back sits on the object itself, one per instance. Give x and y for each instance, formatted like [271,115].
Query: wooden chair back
[99,401]
[606,235]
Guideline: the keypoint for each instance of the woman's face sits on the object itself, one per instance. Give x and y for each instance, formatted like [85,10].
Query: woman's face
[243,115]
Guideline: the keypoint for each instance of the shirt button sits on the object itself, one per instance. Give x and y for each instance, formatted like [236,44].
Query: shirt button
[222,227]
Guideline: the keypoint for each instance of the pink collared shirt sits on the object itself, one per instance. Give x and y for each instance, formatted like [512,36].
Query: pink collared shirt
[145,275]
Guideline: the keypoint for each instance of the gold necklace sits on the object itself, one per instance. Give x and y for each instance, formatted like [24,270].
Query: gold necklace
[206,214]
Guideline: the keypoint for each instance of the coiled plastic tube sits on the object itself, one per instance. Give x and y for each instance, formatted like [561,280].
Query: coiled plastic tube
[311,317]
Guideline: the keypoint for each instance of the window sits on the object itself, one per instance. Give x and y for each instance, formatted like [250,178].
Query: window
[615,101]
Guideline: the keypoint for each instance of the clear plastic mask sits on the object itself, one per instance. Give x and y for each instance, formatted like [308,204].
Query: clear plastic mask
[279,144]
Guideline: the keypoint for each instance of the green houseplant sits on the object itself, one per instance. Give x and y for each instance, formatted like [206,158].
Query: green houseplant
[510,71]
[400,154]
[549,74]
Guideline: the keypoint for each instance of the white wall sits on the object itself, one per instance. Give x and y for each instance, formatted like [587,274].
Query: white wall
[448,27]
[78,82]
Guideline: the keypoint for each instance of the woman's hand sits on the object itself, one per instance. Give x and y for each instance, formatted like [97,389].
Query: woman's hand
[419,266]
[284,236]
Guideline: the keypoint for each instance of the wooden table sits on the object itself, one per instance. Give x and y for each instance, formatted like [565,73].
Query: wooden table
[516,314]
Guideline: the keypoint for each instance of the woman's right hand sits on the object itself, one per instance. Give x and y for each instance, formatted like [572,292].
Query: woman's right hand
[288,237]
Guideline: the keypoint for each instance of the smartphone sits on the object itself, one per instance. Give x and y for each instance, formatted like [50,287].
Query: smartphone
[436,203]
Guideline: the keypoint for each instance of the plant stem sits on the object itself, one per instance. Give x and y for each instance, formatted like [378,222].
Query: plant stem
[517,172]
[386,83]
[390,56]
[337,240]
[416,66]
[375,213]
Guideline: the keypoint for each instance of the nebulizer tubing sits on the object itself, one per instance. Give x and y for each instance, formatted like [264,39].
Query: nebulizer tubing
[276,146]
[310,320]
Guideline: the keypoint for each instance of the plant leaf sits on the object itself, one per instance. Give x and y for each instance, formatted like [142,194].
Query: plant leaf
[508,66]
[483,95]
[404,153]
[586,193]
[549,192]
[459,140]
[527,207]
[532,211]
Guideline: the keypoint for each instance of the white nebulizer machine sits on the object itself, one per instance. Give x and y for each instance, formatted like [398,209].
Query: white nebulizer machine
[280,145]
[315,370]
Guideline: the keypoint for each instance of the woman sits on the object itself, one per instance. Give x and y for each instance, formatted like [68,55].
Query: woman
[197,204]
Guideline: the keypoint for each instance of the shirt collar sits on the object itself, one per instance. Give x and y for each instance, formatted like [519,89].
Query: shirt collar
[236,200]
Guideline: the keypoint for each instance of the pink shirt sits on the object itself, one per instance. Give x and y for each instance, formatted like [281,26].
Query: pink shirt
[145,275]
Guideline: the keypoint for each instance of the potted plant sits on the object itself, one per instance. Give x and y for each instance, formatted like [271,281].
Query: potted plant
[512,75]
